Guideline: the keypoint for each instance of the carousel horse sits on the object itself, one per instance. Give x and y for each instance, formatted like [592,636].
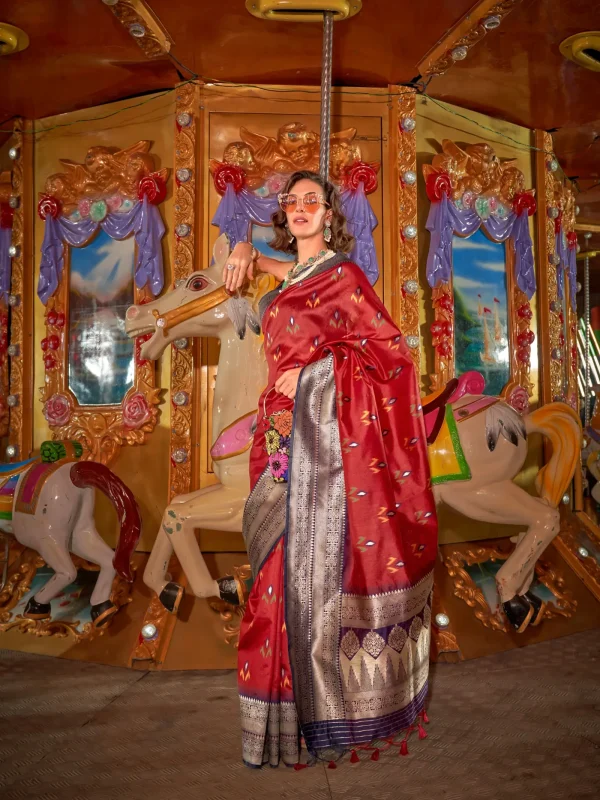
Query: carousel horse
[477,444]
[47,504]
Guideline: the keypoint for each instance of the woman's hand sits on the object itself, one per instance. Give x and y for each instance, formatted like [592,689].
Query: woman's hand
[238,266]
[287,383]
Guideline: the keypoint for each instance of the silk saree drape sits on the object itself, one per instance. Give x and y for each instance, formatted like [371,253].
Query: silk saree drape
[334,645]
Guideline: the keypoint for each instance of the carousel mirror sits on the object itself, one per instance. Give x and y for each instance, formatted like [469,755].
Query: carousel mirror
[101,366]
[101,254]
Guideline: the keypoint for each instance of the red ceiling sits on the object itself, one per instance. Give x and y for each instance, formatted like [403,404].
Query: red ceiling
[81,56]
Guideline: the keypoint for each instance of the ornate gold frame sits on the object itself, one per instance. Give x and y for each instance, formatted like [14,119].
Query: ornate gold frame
[585,567]
[154,41]
[466,589]
[554,194]
[6,192]
[404,302]
[519,312]
[101,429]
[20,433]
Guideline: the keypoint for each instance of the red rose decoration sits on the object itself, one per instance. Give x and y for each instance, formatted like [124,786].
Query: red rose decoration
[6,216]
[57,409]
[60,320]
[524,202]
[524,311]
[364,173]
[572,240]
[53,342]
[523,355]
[519,400]
[438,184]
[136,411]
[153,187]
[228,173]
[50,362]
[49,206]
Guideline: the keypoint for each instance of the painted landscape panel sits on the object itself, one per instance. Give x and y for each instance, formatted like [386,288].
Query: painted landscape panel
[481,337]
[101,355]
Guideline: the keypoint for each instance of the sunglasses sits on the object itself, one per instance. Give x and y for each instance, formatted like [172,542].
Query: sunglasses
[310,202]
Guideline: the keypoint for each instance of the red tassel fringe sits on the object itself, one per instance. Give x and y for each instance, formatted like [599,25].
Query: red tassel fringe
[354,758]
[404,748]
[332,765]
[375,756]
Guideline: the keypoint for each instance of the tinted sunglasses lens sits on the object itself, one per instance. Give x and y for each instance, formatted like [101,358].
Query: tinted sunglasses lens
[310,202]
[288,202]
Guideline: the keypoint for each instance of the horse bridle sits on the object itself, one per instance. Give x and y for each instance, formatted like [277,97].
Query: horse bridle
[194,308]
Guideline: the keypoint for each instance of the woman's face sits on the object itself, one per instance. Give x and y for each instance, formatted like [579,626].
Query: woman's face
[302,223]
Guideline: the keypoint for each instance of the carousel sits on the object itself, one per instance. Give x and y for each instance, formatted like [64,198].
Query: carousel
[130,376]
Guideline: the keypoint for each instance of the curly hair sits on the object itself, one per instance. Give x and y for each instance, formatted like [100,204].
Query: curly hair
[341,240]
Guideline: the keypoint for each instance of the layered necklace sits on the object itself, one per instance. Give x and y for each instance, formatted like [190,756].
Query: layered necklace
[302,270]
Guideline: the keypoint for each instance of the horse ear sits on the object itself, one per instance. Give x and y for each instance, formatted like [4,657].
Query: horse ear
[221,250]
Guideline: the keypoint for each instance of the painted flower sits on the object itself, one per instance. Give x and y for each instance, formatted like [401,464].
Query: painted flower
[84,207]
[468,198]
[262,191]
[115,202]
[136,411]
[519,400]
[57,410]
[482,208]
[493,204]
[282,422]
[278,462]
[272,439]
[275,183]
[98,210]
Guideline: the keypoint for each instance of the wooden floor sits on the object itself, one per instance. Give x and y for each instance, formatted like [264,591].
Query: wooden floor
[520,724]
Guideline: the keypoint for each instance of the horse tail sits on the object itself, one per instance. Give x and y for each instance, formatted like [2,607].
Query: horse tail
[90,474]
[562,426]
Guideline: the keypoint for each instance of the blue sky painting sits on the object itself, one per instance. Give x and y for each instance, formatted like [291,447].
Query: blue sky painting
[481,314]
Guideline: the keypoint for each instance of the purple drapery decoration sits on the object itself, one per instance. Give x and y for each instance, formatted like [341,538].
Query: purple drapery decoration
[143,220]
[361,222]
[568,261]
[5,262]
[236,212]
[445,219]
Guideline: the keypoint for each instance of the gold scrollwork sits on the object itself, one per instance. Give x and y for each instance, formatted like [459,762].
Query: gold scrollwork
[466,589]
[232,615]
[470,30]
[408,261]
[25,565]
[154,40]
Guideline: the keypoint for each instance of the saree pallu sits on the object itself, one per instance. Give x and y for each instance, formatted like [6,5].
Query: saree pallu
[334,645]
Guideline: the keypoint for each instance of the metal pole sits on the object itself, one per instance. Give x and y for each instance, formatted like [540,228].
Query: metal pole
[586,314]
[326,94]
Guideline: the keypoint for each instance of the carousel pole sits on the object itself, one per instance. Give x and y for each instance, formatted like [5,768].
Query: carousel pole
[326,94]
[586,316]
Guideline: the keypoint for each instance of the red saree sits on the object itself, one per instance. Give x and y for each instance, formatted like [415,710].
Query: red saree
[334,645]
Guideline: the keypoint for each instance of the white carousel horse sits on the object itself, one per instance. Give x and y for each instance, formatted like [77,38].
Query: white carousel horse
[478,444]
[50,508]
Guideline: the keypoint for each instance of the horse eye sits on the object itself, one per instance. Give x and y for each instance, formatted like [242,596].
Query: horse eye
[197,284]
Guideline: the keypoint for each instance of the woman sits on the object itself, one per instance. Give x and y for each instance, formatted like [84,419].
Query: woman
[340,525]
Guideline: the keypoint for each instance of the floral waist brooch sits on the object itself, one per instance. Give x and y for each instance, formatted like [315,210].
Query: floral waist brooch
[277,441]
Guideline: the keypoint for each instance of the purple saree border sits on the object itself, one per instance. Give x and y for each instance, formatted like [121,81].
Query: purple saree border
[345,733]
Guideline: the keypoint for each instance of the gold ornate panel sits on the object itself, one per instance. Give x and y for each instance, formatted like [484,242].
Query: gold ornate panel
[185,254]
[467,589]
[405,299]
[558,321]
[108,179]
[6,217]
[477,173]
[20,433]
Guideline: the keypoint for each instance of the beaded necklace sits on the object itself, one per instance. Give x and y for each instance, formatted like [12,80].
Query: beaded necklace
[301,270]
